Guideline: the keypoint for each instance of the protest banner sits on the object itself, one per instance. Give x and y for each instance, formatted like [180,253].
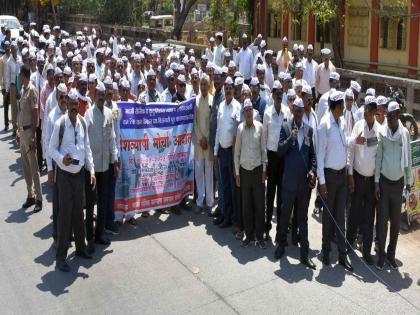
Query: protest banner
[156,155]
[413,202]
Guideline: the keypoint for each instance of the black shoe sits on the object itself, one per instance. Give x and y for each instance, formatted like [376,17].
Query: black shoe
[308,263]
[261,244]
[114,229]
[83,254]
[90,249]
[215,213]
[380,264]
[344,261]
[278,254]
[218,221]
[62,265]
[245,243]
[102,241]
[368,259]
[29,202]
[326,258]
[392,263]
[38,206]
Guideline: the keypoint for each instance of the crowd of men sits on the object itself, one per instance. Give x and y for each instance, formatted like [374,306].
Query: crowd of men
[267,128]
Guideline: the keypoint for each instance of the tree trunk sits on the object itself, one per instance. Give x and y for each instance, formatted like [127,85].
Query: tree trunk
[54,13]
[335,35]
[181,10]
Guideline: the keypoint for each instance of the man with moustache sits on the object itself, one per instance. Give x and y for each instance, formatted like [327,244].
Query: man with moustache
[72,154]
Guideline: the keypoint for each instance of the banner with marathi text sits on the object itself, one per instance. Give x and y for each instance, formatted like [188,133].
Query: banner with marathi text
[156,155]
[413,203]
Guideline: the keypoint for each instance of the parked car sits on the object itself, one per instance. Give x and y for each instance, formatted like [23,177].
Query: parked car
[11,23]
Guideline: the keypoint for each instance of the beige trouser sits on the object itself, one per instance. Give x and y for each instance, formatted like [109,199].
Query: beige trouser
[30,165]
[13,104]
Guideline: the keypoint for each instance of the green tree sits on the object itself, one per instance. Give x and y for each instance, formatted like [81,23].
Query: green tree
[181,10]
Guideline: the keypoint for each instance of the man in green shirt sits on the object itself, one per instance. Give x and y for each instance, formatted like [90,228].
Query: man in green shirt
[392,172]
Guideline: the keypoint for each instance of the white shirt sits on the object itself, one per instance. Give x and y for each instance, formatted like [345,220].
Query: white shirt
[309,69]
[269,77]
[362,157]
[146,98]
[323,106]
[99,71]
[75,143]
[332,145]
[245,59]
[55,115]
[134,81]
[209,54]
[312,121]
[38,82]
[12,71]
[219,55]
[280,61]
[227,124]
[50,104]
[272,124]
[167,96]
[351,118]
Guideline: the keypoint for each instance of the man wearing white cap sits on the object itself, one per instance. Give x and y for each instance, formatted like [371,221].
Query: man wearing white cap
[11,79]
[295,60]
[84,101]
[297,148]
[274,117]
[283,56]
[245,59]
[233,52]
[287,85]
[361,171]
[309,68]
[382,102]
[202,154]
[136,75]
[99,123]
[169,93]
[27,122]
[6,95]
[56,113]
[332,161]
[392,175]
[223,154]
[268,70]
[322,75]
[49,99]
[334,81]
[219,50]
[150,95]
[250,170]
[258,103]
[210,50]
[72,160]
[350,112]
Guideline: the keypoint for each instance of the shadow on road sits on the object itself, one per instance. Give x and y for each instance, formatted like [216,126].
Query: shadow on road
[58,282]
[19,216]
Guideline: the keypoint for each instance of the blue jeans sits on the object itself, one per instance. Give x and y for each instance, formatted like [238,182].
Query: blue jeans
[109,212]
[228,184]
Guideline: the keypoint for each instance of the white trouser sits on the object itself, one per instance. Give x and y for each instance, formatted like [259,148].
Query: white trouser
[204,181]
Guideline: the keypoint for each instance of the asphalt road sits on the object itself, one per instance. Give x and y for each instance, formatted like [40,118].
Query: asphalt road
[171,264]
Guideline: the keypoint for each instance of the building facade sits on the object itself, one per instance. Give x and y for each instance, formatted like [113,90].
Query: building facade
[373,42]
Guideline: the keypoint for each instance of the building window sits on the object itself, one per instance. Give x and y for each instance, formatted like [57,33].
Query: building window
[358,27]
[393,33]
[323,33]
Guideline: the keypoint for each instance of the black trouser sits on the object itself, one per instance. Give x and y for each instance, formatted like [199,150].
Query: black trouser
[100,194]
[314,96]
[70,216]
[6,104]
[39,147]
[390,209]
[362,211]
[275,169]
[336,182]
[110,214]
[299,202]
[55,206]
[252,191]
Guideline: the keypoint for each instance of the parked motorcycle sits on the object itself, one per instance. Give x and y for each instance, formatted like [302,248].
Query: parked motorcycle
[407,119]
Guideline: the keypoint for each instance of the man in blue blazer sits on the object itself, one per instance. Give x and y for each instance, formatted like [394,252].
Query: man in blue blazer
[299,177]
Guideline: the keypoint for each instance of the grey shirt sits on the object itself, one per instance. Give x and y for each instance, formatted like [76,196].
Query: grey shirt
[101,137]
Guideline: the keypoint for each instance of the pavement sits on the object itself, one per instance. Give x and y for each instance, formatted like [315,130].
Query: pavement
[170,264]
